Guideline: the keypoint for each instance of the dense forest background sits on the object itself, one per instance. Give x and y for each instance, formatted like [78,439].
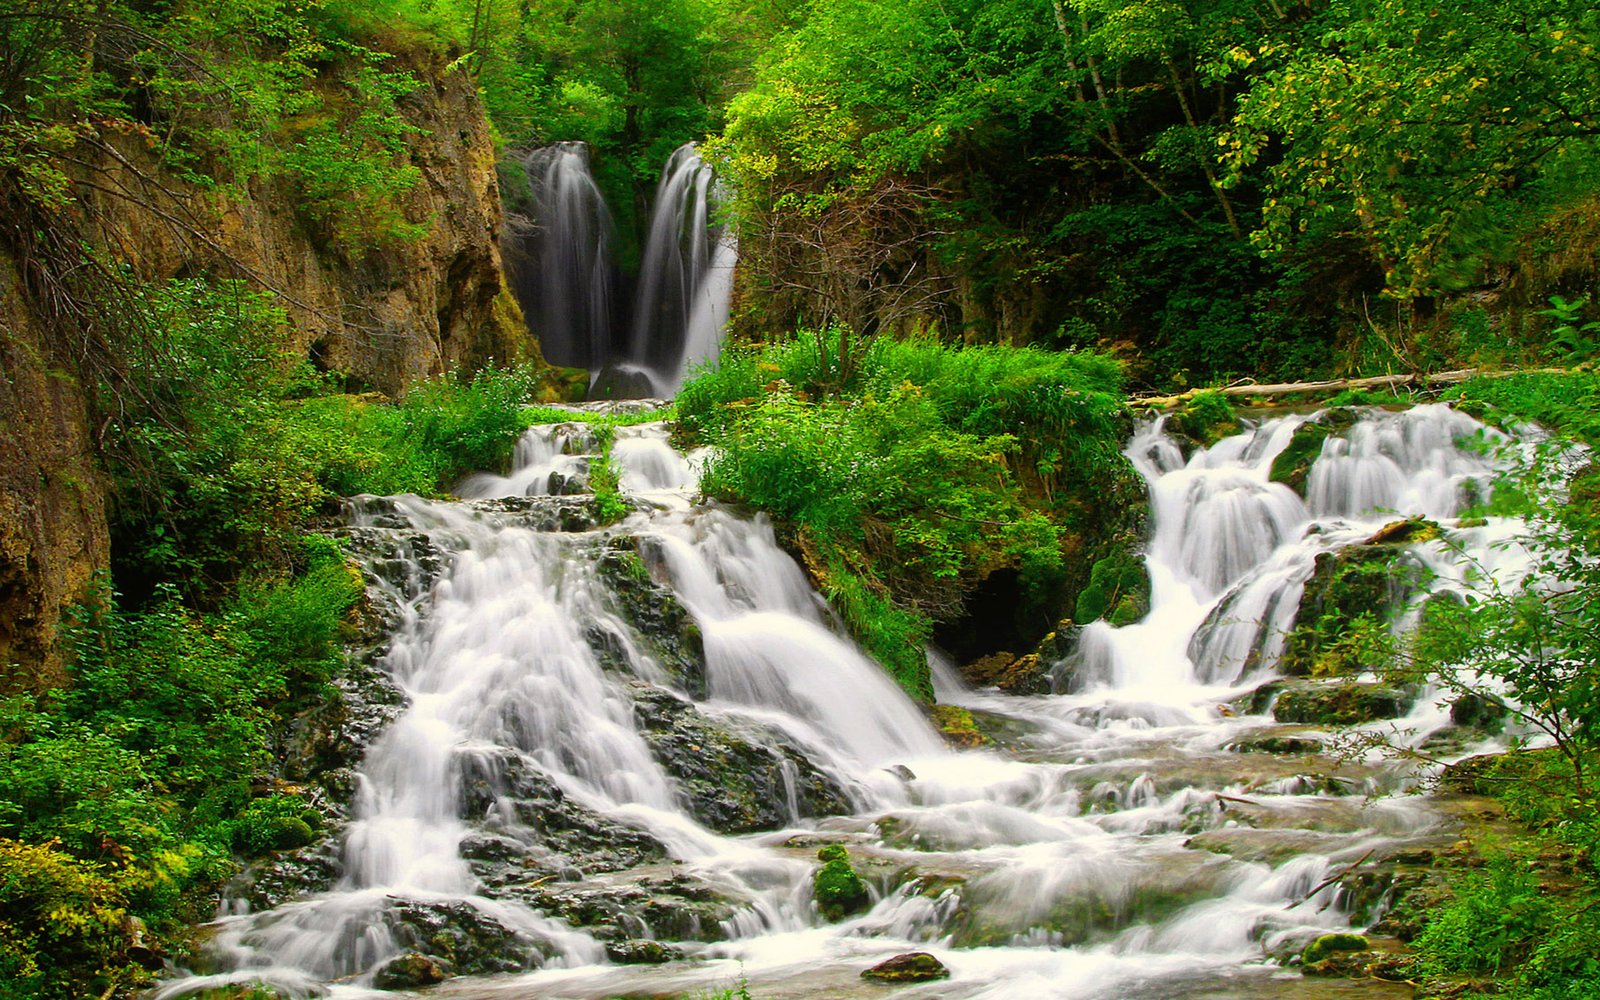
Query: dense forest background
[248,265]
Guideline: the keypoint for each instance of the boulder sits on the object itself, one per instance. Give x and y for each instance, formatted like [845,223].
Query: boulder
[912,967]
[839,891]
[735,776]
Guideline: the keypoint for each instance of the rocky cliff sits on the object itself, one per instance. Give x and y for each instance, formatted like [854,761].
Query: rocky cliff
[383,317]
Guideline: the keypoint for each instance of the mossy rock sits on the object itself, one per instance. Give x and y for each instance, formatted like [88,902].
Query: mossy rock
[1358,583]
[958,727]
[1205,419]
[1408,531]
[912,967]
[1118,590]
[409,971]
[644,952]
[1292,467]
[1329,944]
[1343,703]
[839,891]
[736,776]
[1010,673]
[658,619]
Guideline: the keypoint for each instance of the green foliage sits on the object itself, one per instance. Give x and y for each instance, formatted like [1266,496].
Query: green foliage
[61,925]
[1571,339]
[221,457]
[1490,924]
[1569,403]
[1395,121]
[905,486]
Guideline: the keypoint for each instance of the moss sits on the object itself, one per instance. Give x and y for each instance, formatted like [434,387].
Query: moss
[832,852]
[1205,419]
[1345,606]
[1292,467]
[958,727]
[1344,704]
[915,967]
[838,889]
[1118,590]
[1329,944]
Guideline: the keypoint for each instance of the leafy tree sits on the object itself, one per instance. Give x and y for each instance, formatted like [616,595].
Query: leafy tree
[1431,131]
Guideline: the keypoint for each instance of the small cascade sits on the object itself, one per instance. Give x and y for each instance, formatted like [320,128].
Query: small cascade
[614,744]
[1233,550]
[686,275]
[561,270]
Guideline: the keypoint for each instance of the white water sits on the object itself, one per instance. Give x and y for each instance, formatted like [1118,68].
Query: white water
[1086,819]
[563,274]
[685,276]
[562,269]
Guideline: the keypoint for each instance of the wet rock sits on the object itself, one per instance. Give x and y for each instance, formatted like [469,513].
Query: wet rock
[666,630]
[1329,944]
[1338,703]
[1203,421]
[458,938]
[1476,712]
[958,727]
[540,513]
[276,881]
[621,909]
[912,967]
[1292,467]
[735,775]
[642,952]
[1353,583]
[1277,745]
[1010,673]
[519,802]
[1118,590]
[839,891]
[409,971]
[1409,531]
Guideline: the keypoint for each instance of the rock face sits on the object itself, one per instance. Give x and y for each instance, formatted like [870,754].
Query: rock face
[387,317]
[53,536]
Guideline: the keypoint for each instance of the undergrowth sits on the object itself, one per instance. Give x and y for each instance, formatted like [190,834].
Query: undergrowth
[905,486]
[148,779]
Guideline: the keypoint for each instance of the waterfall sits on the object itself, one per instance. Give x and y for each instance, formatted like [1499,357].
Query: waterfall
[562,274]
[686,273]
[625,743]
[561,270]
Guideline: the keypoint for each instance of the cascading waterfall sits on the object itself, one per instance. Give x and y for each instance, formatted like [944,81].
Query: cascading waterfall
[686,274]
[563,273]
[547,800]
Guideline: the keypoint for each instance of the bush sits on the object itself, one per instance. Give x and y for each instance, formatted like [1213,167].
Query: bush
[906,488]
[61,925]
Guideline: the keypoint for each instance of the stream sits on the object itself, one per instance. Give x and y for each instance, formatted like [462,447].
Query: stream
[616,751]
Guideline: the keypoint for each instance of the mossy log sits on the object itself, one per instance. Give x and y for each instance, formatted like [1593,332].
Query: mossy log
[1418,380]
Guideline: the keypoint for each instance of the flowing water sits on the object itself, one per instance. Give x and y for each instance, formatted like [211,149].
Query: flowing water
[562,270]
[1114,843]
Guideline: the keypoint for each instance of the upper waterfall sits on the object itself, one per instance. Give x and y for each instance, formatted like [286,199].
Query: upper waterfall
[564,274]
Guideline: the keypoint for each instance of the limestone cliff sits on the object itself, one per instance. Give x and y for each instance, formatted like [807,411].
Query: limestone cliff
[383,317]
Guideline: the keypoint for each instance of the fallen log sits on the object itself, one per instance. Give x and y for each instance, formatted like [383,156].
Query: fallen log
[1339,385]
